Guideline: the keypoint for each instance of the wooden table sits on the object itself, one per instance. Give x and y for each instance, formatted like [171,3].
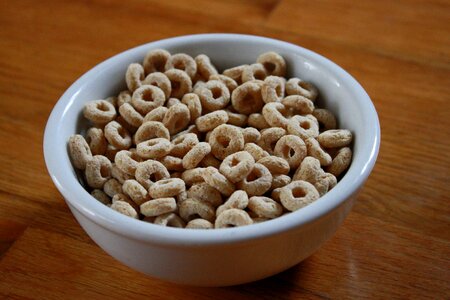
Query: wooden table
[395,242]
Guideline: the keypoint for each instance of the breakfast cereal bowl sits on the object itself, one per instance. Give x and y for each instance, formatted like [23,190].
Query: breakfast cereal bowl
[228,256]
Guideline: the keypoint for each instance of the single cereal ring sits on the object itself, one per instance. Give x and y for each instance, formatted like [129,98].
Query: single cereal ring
[247,99]
[125,198]
[130,115]
[157,207]
[211,120]
[251,135]
[204,66]
[292,149]
[235,73]
[193,176]
[172,163]
[273,89]
[205,193]
[298,194]
[195,155]
[98,171]
[257,182]
[264,207]
[214,95]
[239,200]
[316,151]
[304,127]
[325,183]
[296,86]
[210,161]
[279,181]
[257,121]
[112,186]
[212,177]
[125,209]
[171,102]
[147,98]
[183,143]
[199,224]
[154,148]
[273,63]
[253,72]
[226,139]
[99,111]
[134,76]
[123,97]
[150,130]
[79,151]
[270,137]
[117,135]
[237,166]
[177,118]
[192,101]
[335,138]
[299,104]
[135,191]
[309,170]
[127,161]
[232,218]
[180,82]
[236,119]
[118,174]
[340,162]
[256,151]
[111,152]
[275,114]
[167,188]
[192,209]
[149,172]
[229,82]
[182,61]
[101,196]
[155,60]
[326,118]
[159,80]
[156,114]
[275,194]
[275,164]
[169,220]
[198,86]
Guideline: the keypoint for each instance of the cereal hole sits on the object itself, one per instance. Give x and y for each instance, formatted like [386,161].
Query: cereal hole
[260,75]
[234,162]
[305,125]
[223,141]
[279,91]
[291,152]
[104,171]
[254,174]
[159,64]
[298,192]
[270,67]
[102,106]
[216,92]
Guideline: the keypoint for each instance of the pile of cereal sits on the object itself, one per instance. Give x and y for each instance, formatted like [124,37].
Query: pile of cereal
[185,146]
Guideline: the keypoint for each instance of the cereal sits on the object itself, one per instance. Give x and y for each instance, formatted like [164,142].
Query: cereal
[159,80]
[273,89]
[147,98]
[205,193]
[157,207]
[265,207]
[117,135]
[299,104]
[123,97]
[256,151]
[167,188]
[211,120]
[309,170]
[225,140]
[135,191]
[229,82]
[98,171]
[79,151]
[236,119]
[298,194]
[237,166]
[183,143]
[325,183]
[149,172]
[111,152]
[195,155]
[182,61]
[247,99]
[296,86]
[270,137]
[156,114]
[172,163]
[251,135]
[280,181]
[303,127]
[210,161]
[275,114]
[127,161]
[292,149]
[273,63]
[154,148]
[239,200]
[335,138]
[193,176]
[180,82]
[134,76]
[257,121]
[235,73]
[199,224]
[169,220]
[118,174]
[192,208]
[125,209]
[96,140]
[101,196]
[275,164]
[325,118]
[316,151]
[204,66]
[177,118]
[155,60]
[253,72]
[214,95]
[340,162]
[150,130]
[112,187]
[130,115]
[192,101]
[215,179]
[171,102]
[257,182]
[232,218]
[99,111]
[125,198]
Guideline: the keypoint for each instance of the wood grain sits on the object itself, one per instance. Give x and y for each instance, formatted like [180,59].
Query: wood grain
[394,244]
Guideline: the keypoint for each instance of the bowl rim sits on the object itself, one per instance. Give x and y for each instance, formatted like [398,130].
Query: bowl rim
[78,198]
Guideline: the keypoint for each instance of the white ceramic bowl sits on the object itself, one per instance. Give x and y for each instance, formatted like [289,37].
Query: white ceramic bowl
[224,256]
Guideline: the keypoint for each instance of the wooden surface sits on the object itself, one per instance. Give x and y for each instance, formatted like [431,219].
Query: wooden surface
[394,244]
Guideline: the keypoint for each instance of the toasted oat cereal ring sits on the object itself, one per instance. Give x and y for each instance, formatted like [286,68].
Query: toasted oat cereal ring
[247,99]
[235,73]
[150,130]
[154,148]
[156,114]
[279,181]
[204,66]
[275,114]
[275,164]
[177,118]
[273,89]
[309,170]
[183,195]
[172,163]
[340,162]
[214,178]
[117,135]
[127,161]
[195,155]
[325,182]
[167,188]
[257,121]
[125,198]
[326,118]
[99,111]
[171,102]
[214,95]
[237,166]
[180,82]
[155,60]
[292,149]
[135,191]
[253,72]
[239,200]
[101,196]
[264,207]
[79,151]
[316,151]
[192,101]
[193,176]
[226,139]
[147,98]
[192,209]
[199,224]
[298,194]
[198,86]
[205,193]
[157,207]
[159,80]
[257,182]
[335,138]
[183,62]
[112,186]
[229,82]
[275,194]
[130,115]
[304,127]
[251,135]
[273,63]
[256,151]
[118,174]
[236,119]
[98,171]
[134,76]
[233,218]
[211,120]
[112,100]
[169,220]
[299,104]
[183,143]
[190,129]
[125,209]
[96,140]
[111,152]
[149,172]
[296,86]
[123,97]
[210,161]
[270,137]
